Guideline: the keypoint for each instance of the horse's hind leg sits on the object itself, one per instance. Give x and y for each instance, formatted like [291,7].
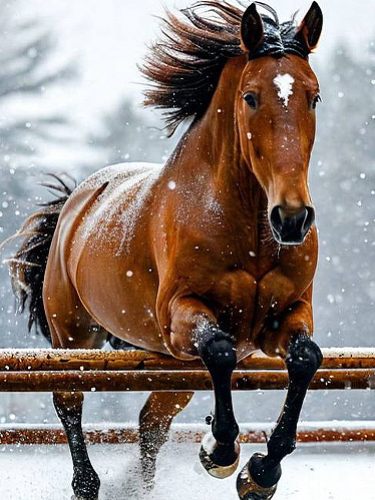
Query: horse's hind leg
[155,420]
[71,327]
[68,407]
[86,481]
[258,479]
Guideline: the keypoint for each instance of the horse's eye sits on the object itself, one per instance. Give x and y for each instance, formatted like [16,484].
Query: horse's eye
[251,100]
[315,101]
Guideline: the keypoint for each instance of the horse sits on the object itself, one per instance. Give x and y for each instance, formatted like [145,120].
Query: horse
[211,256]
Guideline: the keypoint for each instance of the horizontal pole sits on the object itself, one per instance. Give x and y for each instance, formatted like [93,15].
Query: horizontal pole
[129,435]
[174,380]
[94,359]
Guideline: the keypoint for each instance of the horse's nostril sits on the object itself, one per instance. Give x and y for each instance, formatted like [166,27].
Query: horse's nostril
[277,217]
[310,218]
[291,229]
[299,219]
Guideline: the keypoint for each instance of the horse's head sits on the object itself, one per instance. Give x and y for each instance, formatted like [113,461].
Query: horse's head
[276,104]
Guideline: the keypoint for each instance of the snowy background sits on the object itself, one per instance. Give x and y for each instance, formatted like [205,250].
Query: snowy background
[313,472]
[70,100]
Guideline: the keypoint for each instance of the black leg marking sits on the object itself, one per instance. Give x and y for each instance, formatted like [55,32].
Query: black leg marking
[303,360]
[219,355]
[85,482]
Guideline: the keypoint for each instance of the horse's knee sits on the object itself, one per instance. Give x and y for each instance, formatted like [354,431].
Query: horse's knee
[303,358]
[218,352]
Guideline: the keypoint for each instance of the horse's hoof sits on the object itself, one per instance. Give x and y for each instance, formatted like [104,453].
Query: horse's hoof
[208,446]
[148,485]
[74,497]
[86,484]
[248,489]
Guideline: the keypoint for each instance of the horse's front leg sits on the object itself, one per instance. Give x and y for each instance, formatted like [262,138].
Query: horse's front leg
[258,479]
[195,331]
[220,450]
[86,481]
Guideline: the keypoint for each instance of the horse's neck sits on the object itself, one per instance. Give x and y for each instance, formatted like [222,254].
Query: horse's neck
[211,147]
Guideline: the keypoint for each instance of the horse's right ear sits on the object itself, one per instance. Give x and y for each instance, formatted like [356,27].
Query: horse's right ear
[252,30]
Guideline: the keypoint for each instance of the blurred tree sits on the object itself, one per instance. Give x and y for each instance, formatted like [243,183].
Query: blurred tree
[127,136]
[26,70]
[24,54]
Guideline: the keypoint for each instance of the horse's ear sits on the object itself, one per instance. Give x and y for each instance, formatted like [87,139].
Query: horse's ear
[252,29]
[310,29]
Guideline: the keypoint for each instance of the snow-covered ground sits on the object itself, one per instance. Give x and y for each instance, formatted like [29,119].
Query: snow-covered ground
[313,472]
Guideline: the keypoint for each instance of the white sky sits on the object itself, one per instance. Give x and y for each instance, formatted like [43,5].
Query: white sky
[108,38]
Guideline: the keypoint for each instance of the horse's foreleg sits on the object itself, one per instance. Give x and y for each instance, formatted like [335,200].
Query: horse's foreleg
[69,409]
[155,420]
[220,450]
[258,479]
[194,331]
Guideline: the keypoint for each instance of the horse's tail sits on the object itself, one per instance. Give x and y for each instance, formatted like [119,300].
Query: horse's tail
[28,265]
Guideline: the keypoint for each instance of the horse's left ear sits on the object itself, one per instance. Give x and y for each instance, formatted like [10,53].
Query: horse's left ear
[310,29]
[252,30]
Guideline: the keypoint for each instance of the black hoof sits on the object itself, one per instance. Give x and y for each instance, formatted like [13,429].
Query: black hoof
[86,484]
[248,489]
[206,456]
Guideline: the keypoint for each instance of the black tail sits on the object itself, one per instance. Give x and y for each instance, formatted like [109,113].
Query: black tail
[28,265]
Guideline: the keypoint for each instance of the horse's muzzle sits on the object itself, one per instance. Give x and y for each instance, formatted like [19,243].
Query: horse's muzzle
[291,229]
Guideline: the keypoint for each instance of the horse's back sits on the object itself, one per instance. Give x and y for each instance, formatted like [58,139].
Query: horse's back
[111,209]
[101,245]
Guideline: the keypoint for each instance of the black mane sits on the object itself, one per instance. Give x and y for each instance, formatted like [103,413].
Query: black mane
[185,66]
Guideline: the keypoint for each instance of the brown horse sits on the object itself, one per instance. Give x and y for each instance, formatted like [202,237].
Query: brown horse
[211,256]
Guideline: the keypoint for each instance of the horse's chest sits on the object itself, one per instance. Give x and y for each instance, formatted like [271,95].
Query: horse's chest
[248,297]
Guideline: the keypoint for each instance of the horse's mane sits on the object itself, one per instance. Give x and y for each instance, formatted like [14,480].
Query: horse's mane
[186,64]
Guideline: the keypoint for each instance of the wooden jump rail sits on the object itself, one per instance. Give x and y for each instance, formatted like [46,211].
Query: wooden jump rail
[345,432]
[46,370]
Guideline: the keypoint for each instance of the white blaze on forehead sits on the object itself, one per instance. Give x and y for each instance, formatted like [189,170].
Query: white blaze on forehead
[284,83]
